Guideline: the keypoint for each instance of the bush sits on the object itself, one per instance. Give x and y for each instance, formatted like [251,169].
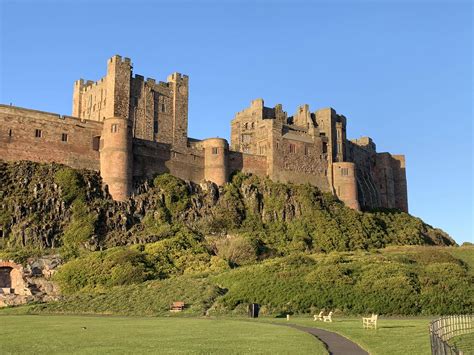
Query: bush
[71,184]
[99,270]
[236,250]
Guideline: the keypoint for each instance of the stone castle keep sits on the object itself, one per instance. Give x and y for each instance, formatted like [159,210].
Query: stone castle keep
[130,128]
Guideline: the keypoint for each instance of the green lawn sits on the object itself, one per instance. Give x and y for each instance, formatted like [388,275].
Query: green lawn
[393,336]
[464,342]
[65,334]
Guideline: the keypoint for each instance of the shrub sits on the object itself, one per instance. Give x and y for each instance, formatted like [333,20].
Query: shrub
[236,250]
[71,184]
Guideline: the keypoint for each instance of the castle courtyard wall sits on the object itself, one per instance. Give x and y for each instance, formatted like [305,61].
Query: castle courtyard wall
[20,127]
[152,158]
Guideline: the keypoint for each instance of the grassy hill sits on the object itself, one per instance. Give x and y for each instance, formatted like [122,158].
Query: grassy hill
[392,281]
[290,248]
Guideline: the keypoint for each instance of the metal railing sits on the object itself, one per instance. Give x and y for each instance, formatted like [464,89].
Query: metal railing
[445,328]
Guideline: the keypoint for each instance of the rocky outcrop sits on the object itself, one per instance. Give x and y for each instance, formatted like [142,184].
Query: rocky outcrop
[34,211]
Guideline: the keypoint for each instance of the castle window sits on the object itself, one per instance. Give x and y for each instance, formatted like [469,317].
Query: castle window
[344,171]
[114,128]
[214,151]
[246,125]
[305,150]
[64,137]
[292,148]
[10,133]
[38,133]
[163,108]
[253,125]
[325,147]
[96,143]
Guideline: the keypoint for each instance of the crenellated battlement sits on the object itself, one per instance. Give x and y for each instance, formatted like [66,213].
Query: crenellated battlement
[118,59]
[178,77]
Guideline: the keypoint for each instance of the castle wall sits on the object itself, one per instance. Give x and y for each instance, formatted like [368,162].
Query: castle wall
[400,178]
[152,158]
[19,128]
[248,163]
[364,156]
[299,159]
[89,99]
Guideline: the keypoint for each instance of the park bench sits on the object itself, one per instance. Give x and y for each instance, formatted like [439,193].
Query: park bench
[371,322]
[319,316]
[328,318]
[177,306]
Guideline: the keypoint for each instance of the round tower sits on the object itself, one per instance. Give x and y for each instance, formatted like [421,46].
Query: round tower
[116,157]
[345,184]
[215,160]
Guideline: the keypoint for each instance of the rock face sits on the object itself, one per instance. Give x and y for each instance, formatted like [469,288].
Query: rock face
[35,213]
[22,284]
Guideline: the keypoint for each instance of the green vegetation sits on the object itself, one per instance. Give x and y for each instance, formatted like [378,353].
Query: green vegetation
[464,342]
[145,279]
[383,282]
[291,248]
[92,335]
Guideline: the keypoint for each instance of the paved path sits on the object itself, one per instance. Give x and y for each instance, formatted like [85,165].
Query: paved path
[336,344]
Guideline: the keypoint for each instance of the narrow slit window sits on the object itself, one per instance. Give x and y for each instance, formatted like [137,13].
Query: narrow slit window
[214,151]
[64,137]
[38,133]
[114,128]
[10,133]
[345,172]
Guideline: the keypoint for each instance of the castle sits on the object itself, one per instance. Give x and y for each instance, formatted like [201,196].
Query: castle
[130,128]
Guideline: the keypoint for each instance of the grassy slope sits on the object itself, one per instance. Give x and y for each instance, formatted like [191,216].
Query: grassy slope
[64,334]
[393,336]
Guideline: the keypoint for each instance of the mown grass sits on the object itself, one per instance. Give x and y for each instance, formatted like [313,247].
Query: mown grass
[464,343]
[119,335]
[393,336]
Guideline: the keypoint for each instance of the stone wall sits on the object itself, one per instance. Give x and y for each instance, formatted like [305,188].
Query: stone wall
[248,163]
[46,137]
[152,158]
[28,283]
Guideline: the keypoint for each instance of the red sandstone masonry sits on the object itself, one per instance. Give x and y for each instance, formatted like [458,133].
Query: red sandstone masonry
[18,139]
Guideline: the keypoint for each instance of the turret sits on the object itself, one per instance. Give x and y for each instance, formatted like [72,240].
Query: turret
[116,157]
[215,160]
[345,184]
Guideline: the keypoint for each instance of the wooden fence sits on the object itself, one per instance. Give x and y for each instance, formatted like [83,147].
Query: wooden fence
[445,328]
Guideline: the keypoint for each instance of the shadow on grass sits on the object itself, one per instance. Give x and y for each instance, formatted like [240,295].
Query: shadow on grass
[398,326]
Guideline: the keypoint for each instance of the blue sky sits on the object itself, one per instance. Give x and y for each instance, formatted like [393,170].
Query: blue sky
[400,71]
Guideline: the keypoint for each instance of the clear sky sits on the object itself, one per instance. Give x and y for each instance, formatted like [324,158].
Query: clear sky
[400,71]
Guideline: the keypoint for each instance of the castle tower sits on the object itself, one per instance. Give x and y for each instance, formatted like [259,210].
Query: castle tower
[116,155]
[345,183]
[180,87]
[215,160]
